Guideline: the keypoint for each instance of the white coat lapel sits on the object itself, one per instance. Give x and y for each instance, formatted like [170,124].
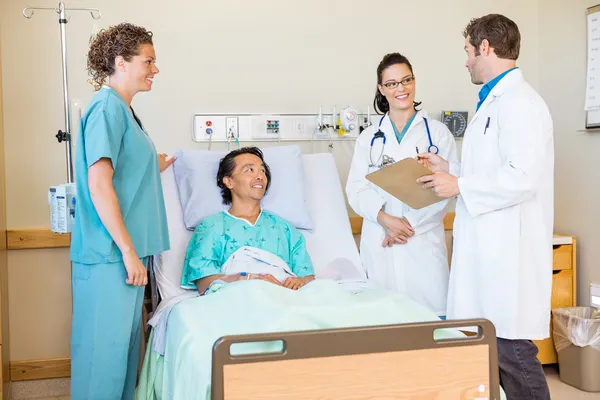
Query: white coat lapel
[406,148]
[391,143]
[512,78]
[416,132]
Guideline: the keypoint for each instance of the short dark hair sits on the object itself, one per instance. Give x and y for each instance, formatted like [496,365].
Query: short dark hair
[227,166]
[380,103]
[502,33]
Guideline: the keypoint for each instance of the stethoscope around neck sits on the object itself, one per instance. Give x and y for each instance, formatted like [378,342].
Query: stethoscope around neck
[432,148]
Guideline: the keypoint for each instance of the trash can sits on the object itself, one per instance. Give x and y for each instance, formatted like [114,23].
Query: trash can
[576,335]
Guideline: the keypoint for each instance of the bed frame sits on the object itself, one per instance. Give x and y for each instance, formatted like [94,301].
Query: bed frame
[396,361]
[151,300]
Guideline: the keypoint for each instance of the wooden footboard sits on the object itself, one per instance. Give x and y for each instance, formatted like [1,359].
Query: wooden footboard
[398,361]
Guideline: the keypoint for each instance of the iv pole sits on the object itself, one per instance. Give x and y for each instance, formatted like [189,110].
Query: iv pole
[62,20]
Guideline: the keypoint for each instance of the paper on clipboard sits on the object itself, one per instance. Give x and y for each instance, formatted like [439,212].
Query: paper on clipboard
[400,180]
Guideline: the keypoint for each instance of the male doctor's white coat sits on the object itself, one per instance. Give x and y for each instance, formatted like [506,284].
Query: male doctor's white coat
[502,256]
[418,268]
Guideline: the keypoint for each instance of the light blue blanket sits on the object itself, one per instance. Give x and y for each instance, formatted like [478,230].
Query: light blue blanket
[255,306]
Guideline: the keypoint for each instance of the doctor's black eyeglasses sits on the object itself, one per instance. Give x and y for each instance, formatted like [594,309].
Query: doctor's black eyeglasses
[405,82]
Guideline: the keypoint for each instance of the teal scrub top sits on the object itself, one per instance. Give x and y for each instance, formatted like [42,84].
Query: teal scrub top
[108,129]
[400,135]
[220,235]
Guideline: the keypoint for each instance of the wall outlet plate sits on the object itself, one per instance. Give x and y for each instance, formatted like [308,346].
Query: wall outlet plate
[595,295]
[232,126]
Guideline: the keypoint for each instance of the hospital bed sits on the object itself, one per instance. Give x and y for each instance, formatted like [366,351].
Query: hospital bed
[182,368]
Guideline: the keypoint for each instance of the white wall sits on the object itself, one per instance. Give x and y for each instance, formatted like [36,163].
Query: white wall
[562,76]
[233,56]
[218,56]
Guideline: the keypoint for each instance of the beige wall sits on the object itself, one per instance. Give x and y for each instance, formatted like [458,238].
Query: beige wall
[224,56]
[233,56]
[4,318]
[563,32]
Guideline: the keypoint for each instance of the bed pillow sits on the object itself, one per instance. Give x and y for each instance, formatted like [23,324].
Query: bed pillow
[196,178]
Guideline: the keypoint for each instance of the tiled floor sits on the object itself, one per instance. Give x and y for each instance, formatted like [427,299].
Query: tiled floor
[562,391]
[45,388]
[558,390]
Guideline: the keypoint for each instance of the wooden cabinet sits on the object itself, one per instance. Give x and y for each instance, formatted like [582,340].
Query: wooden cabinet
[564,289]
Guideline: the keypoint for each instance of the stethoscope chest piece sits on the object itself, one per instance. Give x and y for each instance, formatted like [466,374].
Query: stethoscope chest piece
[386,160]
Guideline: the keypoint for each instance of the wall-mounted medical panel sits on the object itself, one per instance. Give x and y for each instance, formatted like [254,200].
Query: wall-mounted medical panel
[280,127]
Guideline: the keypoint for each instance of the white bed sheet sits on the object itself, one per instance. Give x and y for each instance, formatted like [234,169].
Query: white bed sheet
[331,245]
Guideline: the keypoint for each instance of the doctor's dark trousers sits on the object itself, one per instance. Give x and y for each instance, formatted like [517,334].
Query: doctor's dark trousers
[521,374]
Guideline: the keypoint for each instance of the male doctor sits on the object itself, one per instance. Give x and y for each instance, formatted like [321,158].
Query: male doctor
[502,257]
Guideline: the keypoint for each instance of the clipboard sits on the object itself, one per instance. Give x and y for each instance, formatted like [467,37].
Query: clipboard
[400,180]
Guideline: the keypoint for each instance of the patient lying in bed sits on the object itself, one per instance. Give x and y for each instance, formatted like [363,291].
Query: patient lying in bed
[244,179]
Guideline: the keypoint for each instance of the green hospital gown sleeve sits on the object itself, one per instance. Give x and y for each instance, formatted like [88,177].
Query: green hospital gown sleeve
[203,255]
[300,261]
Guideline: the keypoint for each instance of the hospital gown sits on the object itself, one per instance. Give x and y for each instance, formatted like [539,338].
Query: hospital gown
[218,236]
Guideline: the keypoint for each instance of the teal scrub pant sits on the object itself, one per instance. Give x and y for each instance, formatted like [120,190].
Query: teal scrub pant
[105,337]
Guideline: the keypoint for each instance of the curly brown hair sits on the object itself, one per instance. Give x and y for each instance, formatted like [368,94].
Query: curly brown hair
[119,40]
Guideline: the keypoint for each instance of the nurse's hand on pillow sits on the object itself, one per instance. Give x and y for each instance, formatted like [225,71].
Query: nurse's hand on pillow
[296,283]
[136,272]
[397,230]
[163,163]
[434,162]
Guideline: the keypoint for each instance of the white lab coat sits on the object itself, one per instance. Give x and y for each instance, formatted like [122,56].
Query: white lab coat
[418,268]
[502,258]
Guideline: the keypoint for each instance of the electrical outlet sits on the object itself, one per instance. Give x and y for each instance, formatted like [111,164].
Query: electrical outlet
[595,295]
[298,127]
[232,126]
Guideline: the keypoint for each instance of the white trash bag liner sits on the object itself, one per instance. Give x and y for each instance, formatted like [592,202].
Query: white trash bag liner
[578,326]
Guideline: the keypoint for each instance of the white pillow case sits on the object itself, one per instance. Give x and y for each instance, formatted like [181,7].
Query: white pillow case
[196,178]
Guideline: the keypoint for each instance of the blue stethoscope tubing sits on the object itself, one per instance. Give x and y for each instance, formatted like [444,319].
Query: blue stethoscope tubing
[379,134]
[431,145]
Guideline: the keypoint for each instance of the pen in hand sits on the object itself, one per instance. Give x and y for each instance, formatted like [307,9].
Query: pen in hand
[422,160]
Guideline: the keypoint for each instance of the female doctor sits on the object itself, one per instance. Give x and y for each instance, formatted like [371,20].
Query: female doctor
[402,249]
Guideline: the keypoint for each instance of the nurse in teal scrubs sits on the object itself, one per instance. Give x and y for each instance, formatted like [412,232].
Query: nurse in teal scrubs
[120,218]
